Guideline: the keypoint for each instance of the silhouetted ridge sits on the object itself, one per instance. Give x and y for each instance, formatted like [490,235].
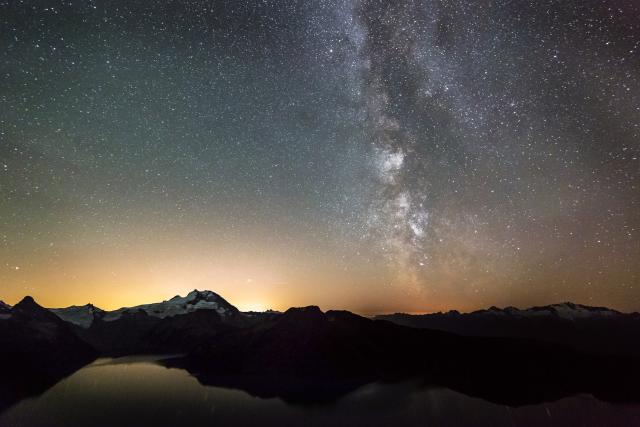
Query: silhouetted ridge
[37,349]
[310,313]
[28,308]
[4,307]
[27,303]
[598,330]
[310,309]
[344,315]
[287,354]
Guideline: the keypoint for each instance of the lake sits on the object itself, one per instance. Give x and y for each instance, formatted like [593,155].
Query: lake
[138,391]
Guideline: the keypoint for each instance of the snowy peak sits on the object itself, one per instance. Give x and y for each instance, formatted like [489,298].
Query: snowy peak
[571,311]
[196,295]
[194,300]
[204,300]
[566,310]
[82,316]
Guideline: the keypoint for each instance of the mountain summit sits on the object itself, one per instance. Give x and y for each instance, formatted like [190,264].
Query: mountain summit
[195,300]
[83,315]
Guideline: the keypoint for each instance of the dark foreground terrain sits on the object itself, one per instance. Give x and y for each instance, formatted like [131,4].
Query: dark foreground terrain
[308,356]
[37,349]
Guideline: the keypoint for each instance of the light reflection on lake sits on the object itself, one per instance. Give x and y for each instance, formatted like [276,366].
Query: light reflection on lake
[137,391]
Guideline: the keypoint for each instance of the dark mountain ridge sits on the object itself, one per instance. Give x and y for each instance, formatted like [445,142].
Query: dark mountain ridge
[597,330]
[4,308]
[307,355]
[37,350]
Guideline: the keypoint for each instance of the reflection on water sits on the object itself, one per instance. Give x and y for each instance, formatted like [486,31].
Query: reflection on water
[136,391]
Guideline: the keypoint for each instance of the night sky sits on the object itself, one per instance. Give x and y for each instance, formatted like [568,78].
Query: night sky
[376,156]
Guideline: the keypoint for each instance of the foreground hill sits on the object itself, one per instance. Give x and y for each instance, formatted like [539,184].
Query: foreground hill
[308,354]
[508,356]
[597,330]
[37,349]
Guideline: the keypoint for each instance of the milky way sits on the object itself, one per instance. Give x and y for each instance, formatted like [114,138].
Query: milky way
[373,155]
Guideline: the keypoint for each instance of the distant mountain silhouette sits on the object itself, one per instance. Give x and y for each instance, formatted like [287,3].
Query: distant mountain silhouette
[597,330]
[306,355]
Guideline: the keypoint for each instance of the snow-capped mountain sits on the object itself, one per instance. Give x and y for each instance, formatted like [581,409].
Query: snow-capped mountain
[85,315]
[195,300]
[595,329]
[173,326]
[566,310]
[81,315]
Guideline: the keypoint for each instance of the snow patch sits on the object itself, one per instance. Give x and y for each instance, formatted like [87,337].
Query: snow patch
[566,310]
[82,316]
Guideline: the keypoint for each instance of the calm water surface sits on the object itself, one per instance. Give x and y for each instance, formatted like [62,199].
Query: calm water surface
[137,391]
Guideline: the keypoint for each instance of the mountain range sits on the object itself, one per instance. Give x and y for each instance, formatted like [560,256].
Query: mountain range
[304,354]
[597,330]
[84,316]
